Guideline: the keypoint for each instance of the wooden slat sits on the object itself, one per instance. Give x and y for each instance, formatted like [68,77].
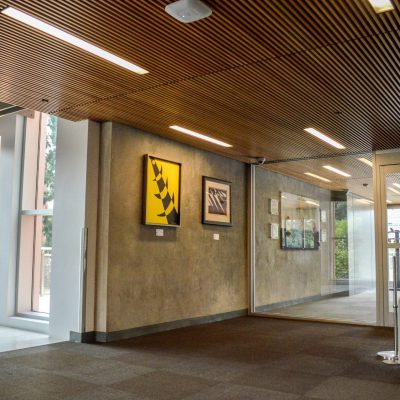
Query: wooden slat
[254,74]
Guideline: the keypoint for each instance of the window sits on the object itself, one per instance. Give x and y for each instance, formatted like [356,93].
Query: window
[37,200]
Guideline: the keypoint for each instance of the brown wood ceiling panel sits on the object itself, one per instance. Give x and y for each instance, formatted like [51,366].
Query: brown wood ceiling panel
[254,74]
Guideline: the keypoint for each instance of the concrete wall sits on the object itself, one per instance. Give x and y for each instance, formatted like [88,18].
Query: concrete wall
[145,280]
[286,275]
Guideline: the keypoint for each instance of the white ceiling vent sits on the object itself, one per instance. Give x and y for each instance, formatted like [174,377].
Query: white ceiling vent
[188,10]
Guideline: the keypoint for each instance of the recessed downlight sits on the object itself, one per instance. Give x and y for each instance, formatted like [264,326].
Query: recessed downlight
[71,39]
[337,171]
[381,6]
[200,136]
[317,177]
[324,138]
[365,161]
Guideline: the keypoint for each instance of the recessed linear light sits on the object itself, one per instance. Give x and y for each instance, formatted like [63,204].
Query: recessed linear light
[325,138]
[313,203]
[317,177]
[389,201]
[393,190]
[337,171]
[381,6]
[365,161]
[396,184]
[200,136]
[365,201]
[66,37]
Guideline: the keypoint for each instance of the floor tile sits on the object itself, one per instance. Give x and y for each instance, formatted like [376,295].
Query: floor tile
[164,385]
[341,388]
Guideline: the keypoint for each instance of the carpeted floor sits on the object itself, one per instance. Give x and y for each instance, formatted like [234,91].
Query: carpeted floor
[240,359]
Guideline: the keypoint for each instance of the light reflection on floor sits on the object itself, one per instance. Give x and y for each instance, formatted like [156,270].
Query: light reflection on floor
[359,308]
[14,339]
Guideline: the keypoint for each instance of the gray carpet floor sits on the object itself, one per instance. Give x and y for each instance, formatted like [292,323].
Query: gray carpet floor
[239,359]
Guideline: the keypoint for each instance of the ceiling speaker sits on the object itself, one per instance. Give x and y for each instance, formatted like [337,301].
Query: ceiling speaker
[188,10]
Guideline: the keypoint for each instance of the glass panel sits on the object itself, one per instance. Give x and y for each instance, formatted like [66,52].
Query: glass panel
[331,214]
[392,184]
[38,177]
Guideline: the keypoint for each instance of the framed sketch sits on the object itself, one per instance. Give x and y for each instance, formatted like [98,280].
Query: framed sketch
[274,206]
[217,202]
[162,192]
[274,231]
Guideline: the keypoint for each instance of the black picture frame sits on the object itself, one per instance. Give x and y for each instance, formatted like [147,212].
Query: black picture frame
[220,211]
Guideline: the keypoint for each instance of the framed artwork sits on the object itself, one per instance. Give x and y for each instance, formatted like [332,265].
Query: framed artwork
[274,206]
[162,192]
[217,202]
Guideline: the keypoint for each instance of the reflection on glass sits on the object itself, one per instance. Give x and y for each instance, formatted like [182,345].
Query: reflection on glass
[300,222]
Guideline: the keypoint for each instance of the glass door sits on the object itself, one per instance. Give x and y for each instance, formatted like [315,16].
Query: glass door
[390,235]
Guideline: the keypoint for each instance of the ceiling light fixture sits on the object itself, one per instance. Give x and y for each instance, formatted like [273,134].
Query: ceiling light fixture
[200,136]
[365,201]
[365,161]
[381,6]
[325,138]
[389,201]
[337,171]
[393,190]
[188,10]
[317,176]
[313,203]
[396,184]
[73,40]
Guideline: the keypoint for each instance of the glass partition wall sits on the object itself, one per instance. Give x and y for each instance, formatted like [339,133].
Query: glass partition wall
[314,240]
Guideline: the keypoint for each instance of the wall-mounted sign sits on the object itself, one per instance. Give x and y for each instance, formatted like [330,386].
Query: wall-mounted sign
[274,231]
[274,207]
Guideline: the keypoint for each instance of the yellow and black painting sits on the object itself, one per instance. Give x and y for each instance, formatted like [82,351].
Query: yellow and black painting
[162,192]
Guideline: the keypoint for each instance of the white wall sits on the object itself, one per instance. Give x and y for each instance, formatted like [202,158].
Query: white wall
[75,206]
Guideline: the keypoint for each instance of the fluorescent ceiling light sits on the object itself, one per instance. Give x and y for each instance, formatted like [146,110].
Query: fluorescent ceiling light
[66,37]
[200,136]
[337,171]
[313,203]
[365,201]
[317,177]
[393,190]
[381,5]
[365,161]
[325,138]
[389,201]
[396,184]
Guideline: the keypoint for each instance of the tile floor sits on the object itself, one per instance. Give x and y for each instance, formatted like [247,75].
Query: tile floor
[15,339]
[239,359]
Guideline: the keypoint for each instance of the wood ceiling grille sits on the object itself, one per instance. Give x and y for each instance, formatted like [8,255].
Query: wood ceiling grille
[254,74]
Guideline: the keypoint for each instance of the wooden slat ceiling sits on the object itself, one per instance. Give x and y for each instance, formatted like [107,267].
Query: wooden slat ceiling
[359,182]
[254,74]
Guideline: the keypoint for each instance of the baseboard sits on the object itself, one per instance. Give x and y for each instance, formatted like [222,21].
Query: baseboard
[82,337]
[309,299]
[105,337]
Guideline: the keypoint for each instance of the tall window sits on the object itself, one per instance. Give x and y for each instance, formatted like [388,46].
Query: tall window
[37,200]
[341,241]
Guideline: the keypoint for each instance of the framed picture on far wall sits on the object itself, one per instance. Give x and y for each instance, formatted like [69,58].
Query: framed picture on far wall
[217,202]
[162,192]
